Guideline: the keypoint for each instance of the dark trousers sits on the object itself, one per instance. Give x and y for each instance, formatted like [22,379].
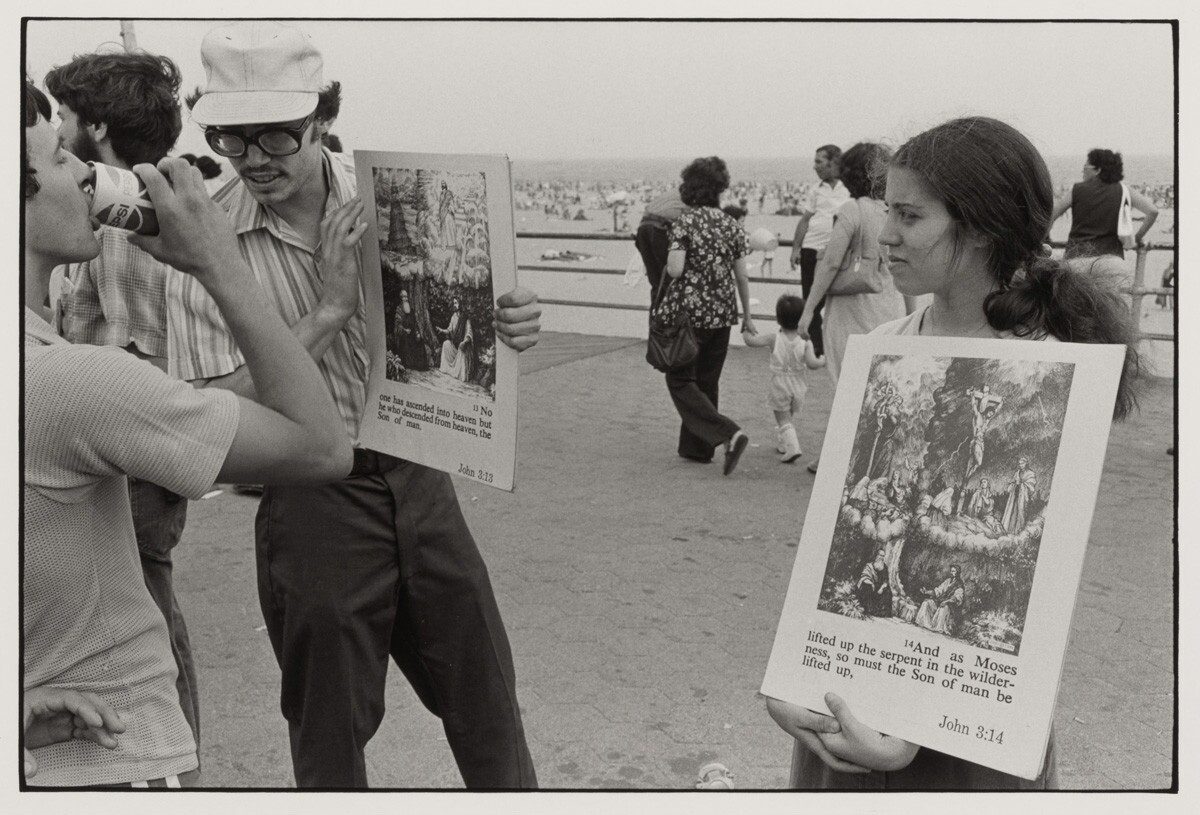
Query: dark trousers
[382,564]
[695,390]
[652,242]
[159,516]
[808,270]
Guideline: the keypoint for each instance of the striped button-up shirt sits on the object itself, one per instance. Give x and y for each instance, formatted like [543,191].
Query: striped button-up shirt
[117,298]
[200,345]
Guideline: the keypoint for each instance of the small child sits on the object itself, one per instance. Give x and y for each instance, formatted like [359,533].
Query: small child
[790,357]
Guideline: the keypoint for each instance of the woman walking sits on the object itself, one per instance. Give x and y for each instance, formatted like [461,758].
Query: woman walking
[706,277]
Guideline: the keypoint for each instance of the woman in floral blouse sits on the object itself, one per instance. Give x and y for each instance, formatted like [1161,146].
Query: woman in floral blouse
[706,261]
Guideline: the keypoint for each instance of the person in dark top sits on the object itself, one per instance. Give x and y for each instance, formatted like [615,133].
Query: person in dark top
[1095,204]
[652,237]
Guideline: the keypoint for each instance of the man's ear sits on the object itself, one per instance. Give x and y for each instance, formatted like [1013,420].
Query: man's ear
[323,126]
[98,132]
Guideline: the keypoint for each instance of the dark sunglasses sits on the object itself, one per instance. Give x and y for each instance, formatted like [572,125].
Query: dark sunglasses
[274,141]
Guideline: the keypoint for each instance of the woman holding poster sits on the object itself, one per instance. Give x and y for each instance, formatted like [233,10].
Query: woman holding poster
[989,277]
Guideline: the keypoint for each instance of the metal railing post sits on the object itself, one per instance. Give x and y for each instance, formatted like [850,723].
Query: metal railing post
[1136,295]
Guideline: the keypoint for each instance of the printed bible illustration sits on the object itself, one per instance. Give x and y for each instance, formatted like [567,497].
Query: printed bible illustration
[944,501]
[439,249]
[941,552]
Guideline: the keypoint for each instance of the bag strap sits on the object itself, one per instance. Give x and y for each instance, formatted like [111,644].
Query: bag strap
[682,318]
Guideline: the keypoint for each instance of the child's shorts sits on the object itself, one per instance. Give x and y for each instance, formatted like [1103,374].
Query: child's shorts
[786,393]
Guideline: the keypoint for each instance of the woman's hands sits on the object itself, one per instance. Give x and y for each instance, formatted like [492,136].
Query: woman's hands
[806,727]
[841,741]
[806,318]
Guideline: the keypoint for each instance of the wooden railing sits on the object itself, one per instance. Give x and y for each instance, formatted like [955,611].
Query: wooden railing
[1136,291]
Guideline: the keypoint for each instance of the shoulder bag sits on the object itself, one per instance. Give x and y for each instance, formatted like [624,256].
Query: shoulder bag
[861,272]
[670,346]
[1125,219]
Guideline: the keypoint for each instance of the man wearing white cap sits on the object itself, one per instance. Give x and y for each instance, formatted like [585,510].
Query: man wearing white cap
[380,563]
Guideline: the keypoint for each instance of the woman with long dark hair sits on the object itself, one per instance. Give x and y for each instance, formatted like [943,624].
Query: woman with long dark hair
[855,226]
[706,276]
[1095,205]
[969,207]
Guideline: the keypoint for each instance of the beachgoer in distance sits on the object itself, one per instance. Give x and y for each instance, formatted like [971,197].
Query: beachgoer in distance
[706,264]
[381,563]
[89,623]
[792,357]
[1095,203]
[985,269]
[816,225]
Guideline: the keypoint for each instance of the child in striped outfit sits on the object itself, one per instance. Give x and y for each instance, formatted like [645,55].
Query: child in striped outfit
[791,356]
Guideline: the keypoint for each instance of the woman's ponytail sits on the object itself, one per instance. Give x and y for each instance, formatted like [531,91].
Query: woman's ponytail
[995,184]
[1073,301]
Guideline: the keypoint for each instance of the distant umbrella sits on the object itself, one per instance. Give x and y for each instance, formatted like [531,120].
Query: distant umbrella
[618,197]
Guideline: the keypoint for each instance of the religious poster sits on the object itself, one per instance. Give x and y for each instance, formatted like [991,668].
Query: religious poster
[439,248]
[938,564]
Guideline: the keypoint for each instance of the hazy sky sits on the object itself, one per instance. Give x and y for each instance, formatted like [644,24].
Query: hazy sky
[646,89]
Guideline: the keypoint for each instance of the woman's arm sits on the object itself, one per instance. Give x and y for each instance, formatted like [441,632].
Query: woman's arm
[675,261]
[743,289]
[1145,206]
[758,340]
[828,264]
[1060,206]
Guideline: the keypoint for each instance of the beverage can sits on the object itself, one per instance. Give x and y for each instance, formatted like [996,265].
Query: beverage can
[120,199]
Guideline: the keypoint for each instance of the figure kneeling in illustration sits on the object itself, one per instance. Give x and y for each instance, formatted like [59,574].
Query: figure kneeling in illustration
[942,610]
[873,590]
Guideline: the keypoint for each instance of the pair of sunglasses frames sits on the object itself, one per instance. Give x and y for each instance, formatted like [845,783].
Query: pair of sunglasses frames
[274,141]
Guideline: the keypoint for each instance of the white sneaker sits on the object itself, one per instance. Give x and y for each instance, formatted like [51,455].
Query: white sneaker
[791,444]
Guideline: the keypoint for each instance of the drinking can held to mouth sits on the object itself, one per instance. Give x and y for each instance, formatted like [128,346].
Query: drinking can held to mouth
[120,199]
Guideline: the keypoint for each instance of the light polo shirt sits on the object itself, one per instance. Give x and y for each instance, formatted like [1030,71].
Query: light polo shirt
[200,344]
[823,202]
[118,298]
[93,416]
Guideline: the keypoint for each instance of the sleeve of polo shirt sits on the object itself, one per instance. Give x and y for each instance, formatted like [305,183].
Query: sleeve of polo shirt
[199,343]
[120,414]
